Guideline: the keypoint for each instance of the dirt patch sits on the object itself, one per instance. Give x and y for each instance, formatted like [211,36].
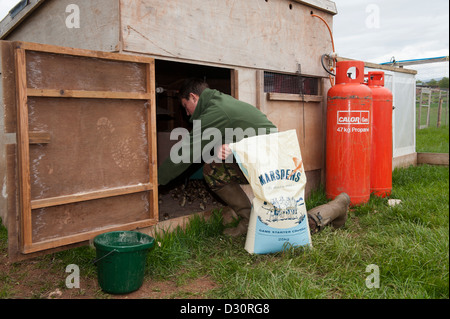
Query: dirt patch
[193,289]
[45,278]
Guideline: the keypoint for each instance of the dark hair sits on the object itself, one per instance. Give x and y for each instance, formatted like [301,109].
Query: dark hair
[192,85]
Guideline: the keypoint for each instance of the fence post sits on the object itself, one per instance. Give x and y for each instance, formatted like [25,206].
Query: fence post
[439,113]
[419,115]
[446,109]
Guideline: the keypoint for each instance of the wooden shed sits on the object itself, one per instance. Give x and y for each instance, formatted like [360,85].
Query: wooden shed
[87,93]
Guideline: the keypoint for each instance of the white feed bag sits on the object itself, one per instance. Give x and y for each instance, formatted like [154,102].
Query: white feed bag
[273,167]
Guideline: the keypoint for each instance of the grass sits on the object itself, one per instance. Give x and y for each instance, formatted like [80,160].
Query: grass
[409,243]
[433,140]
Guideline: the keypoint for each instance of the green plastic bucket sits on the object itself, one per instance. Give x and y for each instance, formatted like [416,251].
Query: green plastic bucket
[121,258]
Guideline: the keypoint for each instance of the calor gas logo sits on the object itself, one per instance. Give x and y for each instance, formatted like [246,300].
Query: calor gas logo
[353,117]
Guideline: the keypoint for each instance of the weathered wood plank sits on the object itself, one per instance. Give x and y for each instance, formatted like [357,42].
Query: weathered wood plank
[294,97]
[325,5]
[39,137]
[67,240]
[23,147]
[152,138]
[433,158]
[88,94]
[68,199]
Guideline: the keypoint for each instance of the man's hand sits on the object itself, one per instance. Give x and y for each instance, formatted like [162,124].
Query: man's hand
[223,152]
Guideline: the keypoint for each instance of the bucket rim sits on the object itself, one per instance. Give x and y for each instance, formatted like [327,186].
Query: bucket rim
[110,246]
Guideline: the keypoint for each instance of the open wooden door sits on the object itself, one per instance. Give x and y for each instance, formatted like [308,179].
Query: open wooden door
[86,144]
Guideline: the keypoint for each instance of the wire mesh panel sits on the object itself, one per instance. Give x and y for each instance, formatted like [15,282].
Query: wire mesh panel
[290,84]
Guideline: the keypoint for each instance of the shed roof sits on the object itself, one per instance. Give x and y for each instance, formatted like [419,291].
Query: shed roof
[17,15]
[26,7]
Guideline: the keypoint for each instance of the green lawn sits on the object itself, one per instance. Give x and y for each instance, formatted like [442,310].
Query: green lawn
[408,243]
[433,140]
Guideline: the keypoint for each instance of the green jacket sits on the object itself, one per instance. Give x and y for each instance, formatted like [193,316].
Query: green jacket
[220,111]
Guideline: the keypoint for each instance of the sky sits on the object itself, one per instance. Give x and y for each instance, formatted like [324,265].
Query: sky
[378,30]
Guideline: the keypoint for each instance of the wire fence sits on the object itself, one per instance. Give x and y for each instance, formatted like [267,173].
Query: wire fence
[432,93]
[432,107]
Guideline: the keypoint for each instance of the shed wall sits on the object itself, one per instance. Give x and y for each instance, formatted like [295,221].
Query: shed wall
[249,36]
[98,28]
[272,35]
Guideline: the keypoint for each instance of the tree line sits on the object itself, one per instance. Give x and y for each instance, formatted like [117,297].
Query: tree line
[442,83]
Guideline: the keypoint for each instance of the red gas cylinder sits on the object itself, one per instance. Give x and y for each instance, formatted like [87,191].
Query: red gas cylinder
[349,126]
[381,154]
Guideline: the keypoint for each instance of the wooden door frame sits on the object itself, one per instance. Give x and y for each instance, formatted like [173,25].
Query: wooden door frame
[24,138]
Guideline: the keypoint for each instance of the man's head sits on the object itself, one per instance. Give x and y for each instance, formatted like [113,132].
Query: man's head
[190,92]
